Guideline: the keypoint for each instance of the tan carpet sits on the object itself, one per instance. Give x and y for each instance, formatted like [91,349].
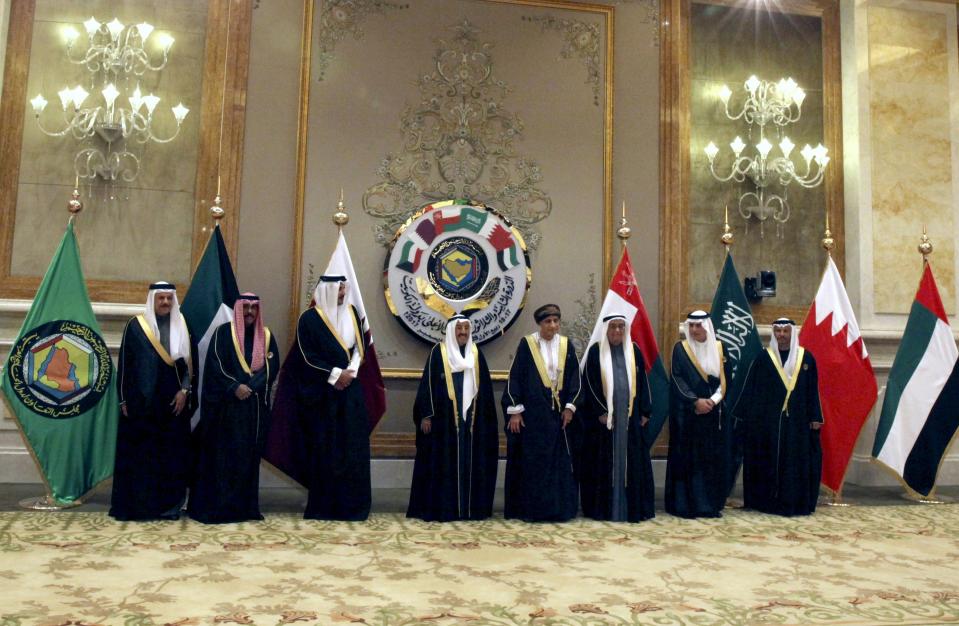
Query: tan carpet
[859,565]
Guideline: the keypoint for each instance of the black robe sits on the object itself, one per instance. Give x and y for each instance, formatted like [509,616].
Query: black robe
[333,422]
[230,436]
[696,466]
[446,485]
[540,485]
[782,457]
[152,466]
[596,457]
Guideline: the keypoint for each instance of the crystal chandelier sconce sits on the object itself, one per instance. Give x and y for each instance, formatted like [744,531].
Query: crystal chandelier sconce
[115,56]
[776,106]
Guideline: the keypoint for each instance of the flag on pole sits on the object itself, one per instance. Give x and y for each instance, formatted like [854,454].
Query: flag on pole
[209,303]
[374,391]
[735,327]
[847,385]
[58,382]
[920,412]
[624,298]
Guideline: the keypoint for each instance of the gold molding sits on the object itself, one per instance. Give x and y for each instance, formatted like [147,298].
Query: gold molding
[302,148]
[675,159]
[229,24]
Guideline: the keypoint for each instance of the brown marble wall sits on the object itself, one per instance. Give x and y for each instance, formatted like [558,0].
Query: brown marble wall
[141,231]
[726,46]
[911,149]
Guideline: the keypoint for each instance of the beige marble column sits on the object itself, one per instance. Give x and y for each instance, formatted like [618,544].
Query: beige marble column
[901,142]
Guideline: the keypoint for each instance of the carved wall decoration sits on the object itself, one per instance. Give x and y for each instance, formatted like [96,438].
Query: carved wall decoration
[580,40]
[459,143]
[339,18]
[581,328]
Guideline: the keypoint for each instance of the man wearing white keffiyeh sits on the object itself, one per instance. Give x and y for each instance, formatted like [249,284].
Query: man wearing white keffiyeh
[154,378]
[781,416]
[696,482]
[616,475]
[457,440]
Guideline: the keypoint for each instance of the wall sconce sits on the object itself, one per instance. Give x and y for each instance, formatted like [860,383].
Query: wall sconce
[779,105]
[114,54]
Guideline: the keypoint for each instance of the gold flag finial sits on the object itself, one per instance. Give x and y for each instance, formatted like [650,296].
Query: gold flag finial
[624,231]
[340,218]
[925,246]
[74,205]
[216,211]
[828,243]
[727,237]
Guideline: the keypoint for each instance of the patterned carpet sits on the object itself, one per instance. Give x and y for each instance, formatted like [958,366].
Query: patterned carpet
[861,565]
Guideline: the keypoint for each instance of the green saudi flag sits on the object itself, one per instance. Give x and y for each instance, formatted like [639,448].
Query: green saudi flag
[58,382]
[735,327]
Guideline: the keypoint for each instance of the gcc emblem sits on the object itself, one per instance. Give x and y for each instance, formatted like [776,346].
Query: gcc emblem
[456,257]
[60,369]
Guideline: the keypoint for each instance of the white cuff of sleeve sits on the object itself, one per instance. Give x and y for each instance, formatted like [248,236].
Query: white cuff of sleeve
[334,375]
[571,406]
[716,397]
[354,365]
[513,410]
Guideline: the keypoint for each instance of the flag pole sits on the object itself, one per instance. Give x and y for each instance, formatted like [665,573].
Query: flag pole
[46,502]
[828,244]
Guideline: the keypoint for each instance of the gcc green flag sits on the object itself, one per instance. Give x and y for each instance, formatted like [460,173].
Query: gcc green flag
[58,382]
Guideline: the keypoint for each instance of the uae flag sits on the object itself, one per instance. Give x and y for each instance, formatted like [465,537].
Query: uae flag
[920,412]
[847,385]
[58,383]
[624,298]
[374,391]
[209,303]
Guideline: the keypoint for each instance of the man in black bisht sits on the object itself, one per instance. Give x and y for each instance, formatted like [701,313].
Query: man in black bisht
[696,481]
[616,474]
[539,403]
[457,439]
[154,378]
[330,410]
[241,364]
[782,417]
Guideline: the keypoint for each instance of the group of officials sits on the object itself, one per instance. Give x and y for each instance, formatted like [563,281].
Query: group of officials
[574,439]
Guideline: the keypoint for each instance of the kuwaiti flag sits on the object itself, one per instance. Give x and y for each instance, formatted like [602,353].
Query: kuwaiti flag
[847,385]
[374,391]
[209,303]
[624,298]
[920,413]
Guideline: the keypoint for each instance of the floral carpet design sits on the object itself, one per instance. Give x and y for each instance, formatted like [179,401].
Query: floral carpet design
[862,565]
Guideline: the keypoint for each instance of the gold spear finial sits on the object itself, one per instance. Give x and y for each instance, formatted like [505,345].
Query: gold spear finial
[74,205]
[340,218]
[216,211]
[925,246]
[727,237]
[828,243]
[623,232]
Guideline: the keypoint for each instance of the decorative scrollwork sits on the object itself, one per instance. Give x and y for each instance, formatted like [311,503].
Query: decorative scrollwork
[581,40]
[339,18]
[581,328]
[459,143]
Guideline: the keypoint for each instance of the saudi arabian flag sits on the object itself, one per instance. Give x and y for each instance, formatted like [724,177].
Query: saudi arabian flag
[58,383]
[209,303]
[920,412]
[735,328]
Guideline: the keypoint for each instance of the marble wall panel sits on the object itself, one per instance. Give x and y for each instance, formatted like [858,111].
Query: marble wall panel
[911,151]
[726,46]
[147,223]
